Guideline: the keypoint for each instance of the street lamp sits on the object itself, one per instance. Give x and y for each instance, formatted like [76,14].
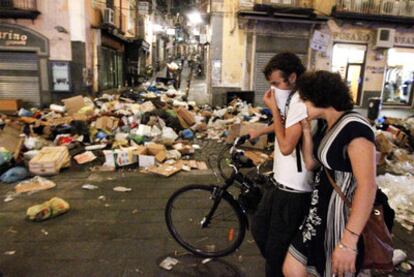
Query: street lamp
[195,18]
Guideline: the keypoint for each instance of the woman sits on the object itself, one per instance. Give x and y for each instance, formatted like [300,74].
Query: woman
[327,243]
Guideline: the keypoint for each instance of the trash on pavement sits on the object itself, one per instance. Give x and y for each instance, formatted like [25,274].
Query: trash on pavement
[398,256]
[89,187]
[50,160]
[85,157]
[121,189]
[14,174]
[400,193]
[168,263]
[48,209]
[34,184]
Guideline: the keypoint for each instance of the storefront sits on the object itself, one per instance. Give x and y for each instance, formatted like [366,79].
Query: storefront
[24,65]
[350,56]
[268,35]
[399,72]
[349,61]
[137,53]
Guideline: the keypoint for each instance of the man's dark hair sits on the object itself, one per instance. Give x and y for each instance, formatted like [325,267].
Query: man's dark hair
[325,89]
[287,63]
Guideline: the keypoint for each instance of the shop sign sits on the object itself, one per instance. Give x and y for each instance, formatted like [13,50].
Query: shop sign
[143,8]
[401,40]
[355,36]
[11,38]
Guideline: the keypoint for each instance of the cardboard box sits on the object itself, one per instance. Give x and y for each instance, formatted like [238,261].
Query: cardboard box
[120,157]
[242,129]
[106,123]
[73,104]
[146,160]
[10,105]
[383,144]
[161,156]
[155,148]
[11,140]
[187,116]
[50,160]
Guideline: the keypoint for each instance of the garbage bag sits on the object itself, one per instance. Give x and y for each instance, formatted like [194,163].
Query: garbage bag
[54,207]
[14,174]
[187,134]
[5,156]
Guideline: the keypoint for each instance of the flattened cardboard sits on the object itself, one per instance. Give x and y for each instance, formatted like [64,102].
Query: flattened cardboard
[73,104]
[164,170]
[11,140]
[237,130]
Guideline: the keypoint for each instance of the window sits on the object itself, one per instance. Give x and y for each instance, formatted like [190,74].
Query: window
[399,76]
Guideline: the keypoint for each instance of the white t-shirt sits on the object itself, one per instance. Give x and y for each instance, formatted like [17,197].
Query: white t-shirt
[284,167]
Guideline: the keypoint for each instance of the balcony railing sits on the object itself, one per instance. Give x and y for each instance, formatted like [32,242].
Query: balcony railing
[18,9]
[377,7]
[29,5]
[286,3]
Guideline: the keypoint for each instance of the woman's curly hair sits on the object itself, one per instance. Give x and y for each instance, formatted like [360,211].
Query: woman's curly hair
[325,89]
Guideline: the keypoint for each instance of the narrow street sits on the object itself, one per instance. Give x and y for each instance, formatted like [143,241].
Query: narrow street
[109,107]
[119,234]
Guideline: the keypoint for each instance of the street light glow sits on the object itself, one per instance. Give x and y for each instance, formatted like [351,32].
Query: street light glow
[195,17]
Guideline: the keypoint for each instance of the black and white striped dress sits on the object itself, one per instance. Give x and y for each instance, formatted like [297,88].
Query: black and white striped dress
[324,225]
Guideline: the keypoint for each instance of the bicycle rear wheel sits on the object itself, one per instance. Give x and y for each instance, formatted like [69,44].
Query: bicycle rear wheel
[184,214]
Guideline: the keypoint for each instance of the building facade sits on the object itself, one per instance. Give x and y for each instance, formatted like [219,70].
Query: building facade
[341,36]
[53,49]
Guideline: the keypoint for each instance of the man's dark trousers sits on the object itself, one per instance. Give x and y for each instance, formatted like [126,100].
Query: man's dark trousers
[276,222]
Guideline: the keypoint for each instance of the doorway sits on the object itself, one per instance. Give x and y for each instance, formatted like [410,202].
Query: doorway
[349,61]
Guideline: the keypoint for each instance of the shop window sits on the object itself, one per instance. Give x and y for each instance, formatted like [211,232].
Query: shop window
[399,77]
[112,75]
[349,61]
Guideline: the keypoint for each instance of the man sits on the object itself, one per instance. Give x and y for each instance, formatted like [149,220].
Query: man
[284,205]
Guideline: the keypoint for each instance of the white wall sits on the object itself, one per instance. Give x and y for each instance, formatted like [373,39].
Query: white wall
[77,20]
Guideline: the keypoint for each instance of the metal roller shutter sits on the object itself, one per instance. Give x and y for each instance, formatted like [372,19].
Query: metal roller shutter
[266,48]
[19,77]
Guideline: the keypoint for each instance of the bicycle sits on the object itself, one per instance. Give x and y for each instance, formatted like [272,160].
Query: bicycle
[206,219]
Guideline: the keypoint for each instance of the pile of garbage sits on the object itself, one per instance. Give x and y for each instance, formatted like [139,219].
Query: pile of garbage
[395,144]
[153,129]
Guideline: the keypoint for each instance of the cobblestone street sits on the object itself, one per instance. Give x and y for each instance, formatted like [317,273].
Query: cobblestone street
[123,235]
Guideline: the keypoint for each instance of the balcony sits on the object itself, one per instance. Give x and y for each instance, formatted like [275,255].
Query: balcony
[299,11]
[18,9]
[390,11]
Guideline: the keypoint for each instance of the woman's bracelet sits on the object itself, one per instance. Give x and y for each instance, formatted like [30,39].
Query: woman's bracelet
[344,247]
[352,232]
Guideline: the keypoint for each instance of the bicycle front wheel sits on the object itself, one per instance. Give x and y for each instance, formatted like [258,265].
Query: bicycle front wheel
[186,211]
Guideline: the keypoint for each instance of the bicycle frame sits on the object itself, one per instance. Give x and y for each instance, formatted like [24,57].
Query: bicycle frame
[236,176]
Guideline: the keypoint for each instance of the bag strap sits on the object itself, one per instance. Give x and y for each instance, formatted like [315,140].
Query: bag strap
[337,188]
[298,145]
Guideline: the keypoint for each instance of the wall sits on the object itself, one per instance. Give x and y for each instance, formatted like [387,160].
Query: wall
[53,13]
[323,6]
[234,47]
